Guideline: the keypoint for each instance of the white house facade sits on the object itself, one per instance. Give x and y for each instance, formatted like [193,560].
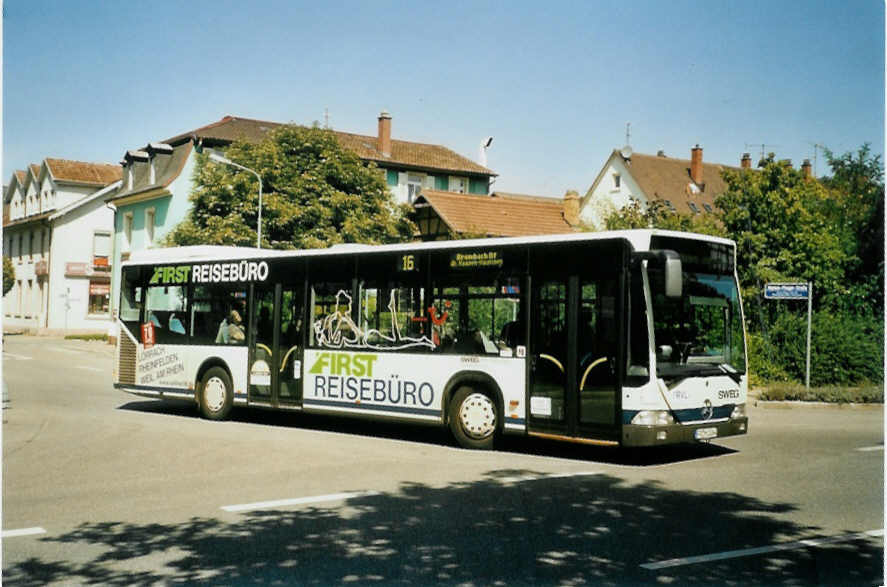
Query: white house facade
[687,186]
[57,232]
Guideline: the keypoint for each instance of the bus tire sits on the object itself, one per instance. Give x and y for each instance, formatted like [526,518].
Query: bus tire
[473,418]
[216,394]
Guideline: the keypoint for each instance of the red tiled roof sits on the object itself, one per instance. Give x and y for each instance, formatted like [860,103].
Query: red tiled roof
[499,214]
[666,178]
[82,172]
[403,153]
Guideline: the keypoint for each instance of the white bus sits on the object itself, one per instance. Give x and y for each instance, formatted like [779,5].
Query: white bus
[629,338]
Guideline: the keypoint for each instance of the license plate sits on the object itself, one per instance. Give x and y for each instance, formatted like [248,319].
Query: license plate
[706,433]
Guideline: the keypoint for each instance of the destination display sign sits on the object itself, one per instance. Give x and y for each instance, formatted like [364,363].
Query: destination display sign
[478,260]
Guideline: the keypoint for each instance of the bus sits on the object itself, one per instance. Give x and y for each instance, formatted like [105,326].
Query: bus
[624,338]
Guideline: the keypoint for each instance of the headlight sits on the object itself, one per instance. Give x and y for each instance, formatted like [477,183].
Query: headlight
[653,418]
[738,412]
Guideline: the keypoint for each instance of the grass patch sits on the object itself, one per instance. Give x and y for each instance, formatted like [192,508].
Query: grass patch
[862,394]
[103,337]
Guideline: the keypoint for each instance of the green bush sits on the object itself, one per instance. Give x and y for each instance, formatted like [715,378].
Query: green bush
[846,349]
[864,394]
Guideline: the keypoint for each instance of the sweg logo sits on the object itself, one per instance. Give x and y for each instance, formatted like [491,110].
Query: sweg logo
[211,273]
[350,377]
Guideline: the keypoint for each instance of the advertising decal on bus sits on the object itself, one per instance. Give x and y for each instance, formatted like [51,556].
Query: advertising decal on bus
[210,273]
[401,384]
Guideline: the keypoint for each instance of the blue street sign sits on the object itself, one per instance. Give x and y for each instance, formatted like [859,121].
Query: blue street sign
[787,291]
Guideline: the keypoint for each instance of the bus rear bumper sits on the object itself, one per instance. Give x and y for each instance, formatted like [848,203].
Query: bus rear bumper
[633,435]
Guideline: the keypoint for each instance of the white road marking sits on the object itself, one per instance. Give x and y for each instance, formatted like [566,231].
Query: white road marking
[692,560]
[16,357]
[90,368]
[523,478]
[22,532]
[871,448]
[261,505]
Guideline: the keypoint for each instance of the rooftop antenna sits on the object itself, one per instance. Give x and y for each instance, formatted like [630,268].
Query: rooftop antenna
[326,118]
[763,147]
[626,151]
[816,148]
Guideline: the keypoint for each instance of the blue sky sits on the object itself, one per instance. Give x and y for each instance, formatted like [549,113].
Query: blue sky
[553,82]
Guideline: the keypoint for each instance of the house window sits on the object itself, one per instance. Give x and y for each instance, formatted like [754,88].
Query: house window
[149,227]
[693,207]
[414,187]
[707,208]
[671,207]
[99,297]
[33,249]
[127,231]
[458,185]
[101,248]
[617,181]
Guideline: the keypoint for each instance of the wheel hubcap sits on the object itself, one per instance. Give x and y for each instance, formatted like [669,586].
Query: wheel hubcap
[477,415]
[214,394]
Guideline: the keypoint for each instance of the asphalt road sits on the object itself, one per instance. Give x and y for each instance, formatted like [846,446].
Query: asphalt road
[105,488]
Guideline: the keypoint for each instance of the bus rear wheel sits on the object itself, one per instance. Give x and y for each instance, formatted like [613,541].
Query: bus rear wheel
[474,418]
[216,396]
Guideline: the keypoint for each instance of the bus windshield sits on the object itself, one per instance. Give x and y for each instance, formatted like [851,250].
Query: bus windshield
[701,332]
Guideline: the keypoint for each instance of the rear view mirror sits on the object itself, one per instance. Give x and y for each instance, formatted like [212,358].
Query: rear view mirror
[674,275]
[672,270]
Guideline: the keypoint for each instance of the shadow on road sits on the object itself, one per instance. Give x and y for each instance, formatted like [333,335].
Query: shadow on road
[595,529]
[437,435]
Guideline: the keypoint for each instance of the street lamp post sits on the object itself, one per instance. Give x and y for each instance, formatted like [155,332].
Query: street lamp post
[219,159]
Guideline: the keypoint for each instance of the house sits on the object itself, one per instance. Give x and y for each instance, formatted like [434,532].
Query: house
[682,185]
[157,179]
[408,166]
[57,232]
[440,215]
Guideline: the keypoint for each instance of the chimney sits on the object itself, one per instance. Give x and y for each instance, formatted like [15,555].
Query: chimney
[807,169]
[696,165]
[571,207]
[384,145]
[660,153]
[746,161]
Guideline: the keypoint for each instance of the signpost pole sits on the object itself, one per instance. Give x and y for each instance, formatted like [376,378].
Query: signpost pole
[809,328]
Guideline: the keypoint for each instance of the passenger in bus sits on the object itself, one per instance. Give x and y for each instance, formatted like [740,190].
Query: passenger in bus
[235,328]
[222,334]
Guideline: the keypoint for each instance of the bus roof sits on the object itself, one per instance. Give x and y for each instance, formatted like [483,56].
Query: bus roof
[638,238]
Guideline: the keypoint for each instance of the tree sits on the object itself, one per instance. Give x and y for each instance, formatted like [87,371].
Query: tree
[8,275]
[857,212]
[656,215]
[315,194]
[782,231]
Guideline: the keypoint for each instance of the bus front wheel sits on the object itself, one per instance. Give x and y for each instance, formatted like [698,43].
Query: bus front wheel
[216,394]
[473,418]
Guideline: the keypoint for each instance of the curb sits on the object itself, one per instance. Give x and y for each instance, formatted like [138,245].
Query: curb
[791,404]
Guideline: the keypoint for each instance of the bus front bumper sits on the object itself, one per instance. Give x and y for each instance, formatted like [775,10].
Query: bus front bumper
[634,435]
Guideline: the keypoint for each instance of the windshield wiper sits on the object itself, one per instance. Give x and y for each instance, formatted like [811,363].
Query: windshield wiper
[731,372]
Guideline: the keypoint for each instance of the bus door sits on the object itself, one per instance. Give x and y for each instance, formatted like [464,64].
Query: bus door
[275,345]
[575,333]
